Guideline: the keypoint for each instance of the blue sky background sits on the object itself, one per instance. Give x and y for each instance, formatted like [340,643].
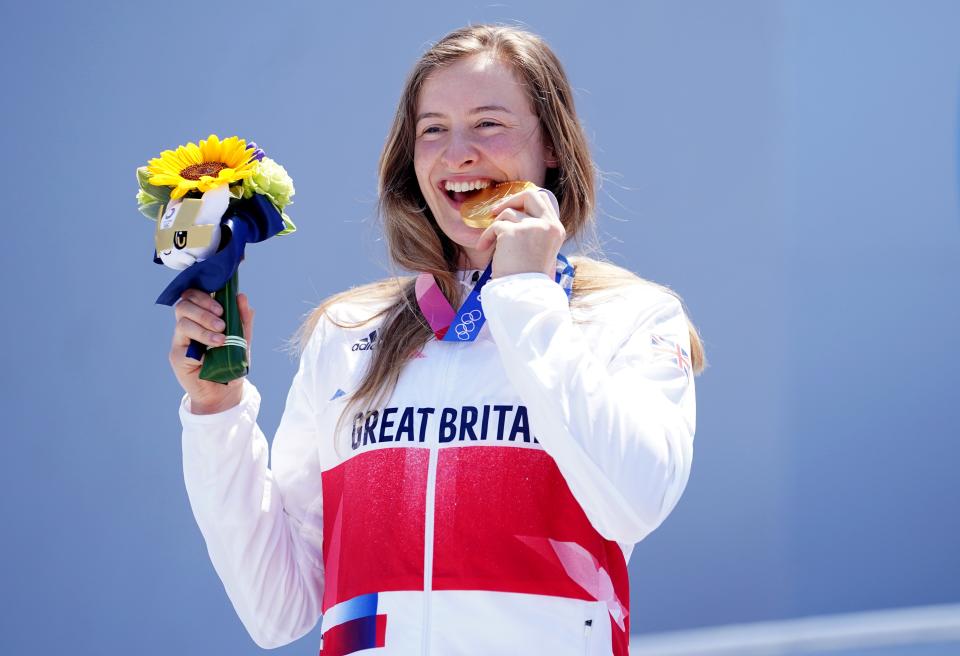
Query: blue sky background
[790,168]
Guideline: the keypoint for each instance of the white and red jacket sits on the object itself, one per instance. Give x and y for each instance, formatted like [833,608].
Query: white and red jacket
[488,507]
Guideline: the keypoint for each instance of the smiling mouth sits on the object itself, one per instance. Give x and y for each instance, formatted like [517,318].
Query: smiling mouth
[456,197]
[459,197]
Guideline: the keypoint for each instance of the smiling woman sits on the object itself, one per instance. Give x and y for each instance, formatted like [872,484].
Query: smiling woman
[468,455]
[475,127]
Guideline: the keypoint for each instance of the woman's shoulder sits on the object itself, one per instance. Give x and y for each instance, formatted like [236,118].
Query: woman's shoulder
[365,303]
[611,296]
[598,284]
[354,310]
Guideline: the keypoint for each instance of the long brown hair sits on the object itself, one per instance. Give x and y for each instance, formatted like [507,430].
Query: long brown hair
[415,241]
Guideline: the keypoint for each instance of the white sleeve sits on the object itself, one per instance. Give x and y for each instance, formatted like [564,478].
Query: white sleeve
[621,432]
[262,527]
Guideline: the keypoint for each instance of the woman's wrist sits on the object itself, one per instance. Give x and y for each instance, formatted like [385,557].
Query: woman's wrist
[200,406]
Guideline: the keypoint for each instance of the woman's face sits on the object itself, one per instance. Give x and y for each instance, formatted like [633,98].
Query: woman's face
[474,127]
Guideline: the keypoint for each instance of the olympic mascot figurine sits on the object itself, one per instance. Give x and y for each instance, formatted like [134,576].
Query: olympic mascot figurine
[209,200]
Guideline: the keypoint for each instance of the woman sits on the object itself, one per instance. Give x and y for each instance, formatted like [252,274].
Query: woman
[451,497]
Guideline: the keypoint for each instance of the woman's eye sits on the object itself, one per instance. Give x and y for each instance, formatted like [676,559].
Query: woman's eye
[487,124]
[433,129]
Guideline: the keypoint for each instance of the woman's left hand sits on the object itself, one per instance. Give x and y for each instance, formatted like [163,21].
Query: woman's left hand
[527,233]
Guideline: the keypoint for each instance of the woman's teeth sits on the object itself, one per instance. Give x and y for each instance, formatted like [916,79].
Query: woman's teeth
[467,186]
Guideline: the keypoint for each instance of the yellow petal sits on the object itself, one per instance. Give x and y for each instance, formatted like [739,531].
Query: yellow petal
[174,159]
[192,151]
[164,179]
[179,162]
[236,160]
[212,149]
[216,148]
[208,182]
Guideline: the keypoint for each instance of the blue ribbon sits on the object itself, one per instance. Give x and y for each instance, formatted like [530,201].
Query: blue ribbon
[469,320]
[564,275]
[246,221]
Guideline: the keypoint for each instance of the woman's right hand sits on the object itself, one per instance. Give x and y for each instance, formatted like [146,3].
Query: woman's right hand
[199,318]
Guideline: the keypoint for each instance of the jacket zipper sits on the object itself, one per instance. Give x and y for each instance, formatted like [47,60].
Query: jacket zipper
[433,436]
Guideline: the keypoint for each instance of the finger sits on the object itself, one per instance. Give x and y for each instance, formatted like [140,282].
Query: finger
[533,202]
[178,355]
[247,314]
[203,299]
[199,315]
[489,236]
[511,215]
[188,329]
[243,304]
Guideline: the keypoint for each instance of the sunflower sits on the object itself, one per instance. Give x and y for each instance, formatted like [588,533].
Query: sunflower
[202,166]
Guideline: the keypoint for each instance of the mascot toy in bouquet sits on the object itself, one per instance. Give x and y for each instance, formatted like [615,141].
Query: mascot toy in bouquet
[210,200]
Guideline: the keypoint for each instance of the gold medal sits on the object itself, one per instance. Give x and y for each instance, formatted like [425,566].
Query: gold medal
[476,210]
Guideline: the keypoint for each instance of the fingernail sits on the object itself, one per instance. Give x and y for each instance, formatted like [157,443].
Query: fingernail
[217,308]
[219,339]
[219,324]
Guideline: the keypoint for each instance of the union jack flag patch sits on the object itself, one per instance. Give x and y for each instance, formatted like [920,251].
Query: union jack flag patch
[674,351]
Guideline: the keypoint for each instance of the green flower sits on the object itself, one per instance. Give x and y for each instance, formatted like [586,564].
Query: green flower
[288,226]
[271,180]
[148,205]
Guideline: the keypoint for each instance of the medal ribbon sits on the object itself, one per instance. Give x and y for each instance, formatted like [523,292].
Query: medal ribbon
[469,319]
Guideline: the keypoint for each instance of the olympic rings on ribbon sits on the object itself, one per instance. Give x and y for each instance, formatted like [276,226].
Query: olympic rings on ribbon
[467,325]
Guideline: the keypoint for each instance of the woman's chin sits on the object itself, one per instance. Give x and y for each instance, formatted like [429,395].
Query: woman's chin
[468,237]
[459,232]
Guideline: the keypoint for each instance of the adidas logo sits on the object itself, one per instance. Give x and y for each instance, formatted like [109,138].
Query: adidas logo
[367,343]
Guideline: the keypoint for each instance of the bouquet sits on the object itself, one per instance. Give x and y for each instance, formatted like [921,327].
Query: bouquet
[209,200]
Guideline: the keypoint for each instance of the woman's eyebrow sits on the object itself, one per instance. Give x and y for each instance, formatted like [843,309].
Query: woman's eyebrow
[490,108]
[475,110]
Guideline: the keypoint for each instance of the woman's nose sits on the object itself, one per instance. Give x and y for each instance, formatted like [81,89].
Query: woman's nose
[460,151]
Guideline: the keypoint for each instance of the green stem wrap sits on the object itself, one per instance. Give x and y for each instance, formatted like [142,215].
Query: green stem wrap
[222,364]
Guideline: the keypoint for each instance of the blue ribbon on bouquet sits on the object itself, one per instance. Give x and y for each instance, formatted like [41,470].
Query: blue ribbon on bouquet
[246,221]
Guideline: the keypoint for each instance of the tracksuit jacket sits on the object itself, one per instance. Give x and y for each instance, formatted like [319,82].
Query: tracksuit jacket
[489,506]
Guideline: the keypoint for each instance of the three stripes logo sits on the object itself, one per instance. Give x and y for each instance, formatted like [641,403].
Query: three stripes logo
[367,343]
